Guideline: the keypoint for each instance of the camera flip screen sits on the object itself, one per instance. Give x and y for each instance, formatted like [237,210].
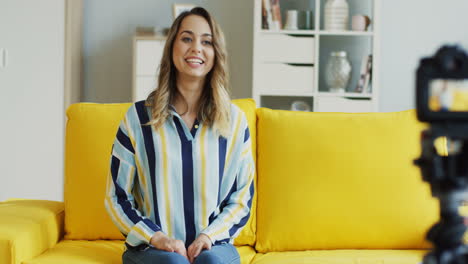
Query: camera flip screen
[446,95]
[442,87]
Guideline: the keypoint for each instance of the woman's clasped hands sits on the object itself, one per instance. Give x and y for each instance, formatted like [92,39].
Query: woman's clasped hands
[163,242]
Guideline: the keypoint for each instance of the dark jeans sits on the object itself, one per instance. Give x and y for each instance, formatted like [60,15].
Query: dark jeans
[219,254]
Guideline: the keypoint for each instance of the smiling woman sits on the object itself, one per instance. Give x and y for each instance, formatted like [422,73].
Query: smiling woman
[181,172]
[193,34]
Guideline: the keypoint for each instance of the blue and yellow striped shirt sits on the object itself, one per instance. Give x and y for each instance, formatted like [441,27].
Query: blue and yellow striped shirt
[180,181]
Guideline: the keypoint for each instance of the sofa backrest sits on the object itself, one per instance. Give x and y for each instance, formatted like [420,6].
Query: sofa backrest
[90,133]
[340,181]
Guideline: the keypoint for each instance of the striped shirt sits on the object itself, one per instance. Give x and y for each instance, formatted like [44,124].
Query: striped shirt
[180,181]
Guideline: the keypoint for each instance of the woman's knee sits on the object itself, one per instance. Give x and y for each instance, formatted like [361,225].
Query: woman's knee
[207,257]
[153,256]
[172,258]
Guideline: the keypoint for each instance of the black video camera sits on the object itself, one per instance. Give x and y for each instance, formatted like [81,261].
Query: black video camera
[442,86]
[442,101]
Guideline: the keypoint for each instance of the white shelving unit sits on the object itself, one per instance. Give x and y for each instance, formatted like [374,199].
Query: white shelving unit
[147,53]
[289,65]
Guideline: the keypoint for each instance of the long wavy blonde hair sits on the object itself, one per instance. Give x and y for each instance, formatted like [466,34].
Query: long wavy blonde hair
[214,102]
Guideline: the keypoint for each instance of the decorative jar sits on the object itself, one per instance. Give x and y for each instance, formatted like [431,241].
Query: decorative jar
[337,72]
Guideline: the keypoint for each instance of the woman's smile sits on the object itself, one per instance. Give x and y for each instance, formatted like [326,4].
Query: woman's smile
[194,62]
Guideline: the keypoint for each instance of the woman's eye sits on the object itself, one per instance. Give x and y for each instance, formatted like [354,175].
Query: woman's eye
[186,39]
[207,42]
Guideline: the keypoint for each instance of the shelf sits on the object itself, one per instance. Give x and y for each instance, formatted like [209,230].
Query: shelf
[284,102]
[290,32]
[286,93]
[318,32]
[140,36]
[348,95]
[345,33]
[315,94]
[290,63]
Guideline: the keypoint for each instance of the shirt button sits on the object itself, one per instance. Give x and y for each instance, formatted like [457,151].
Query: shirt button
[196,126]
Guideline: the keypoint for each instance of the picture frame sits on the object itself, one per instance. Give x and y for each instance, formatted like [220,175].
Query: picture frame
[177,9]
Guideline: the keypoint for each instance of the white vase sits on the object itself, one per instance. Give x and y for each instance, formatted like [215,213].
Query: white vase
[336,15]
[337,72]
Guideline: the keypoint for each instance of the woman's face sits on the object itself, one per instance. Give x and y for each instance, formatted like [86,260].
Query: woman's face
[193,52]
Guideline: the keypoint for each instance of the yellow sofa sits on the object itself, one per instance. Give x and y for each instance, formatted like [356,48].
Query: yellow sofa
[330,188]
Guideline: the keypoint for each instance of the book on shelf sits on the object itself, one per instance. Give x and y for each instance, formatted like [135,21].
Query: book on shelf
[363,85]
[266,14]
[367,81]
[276,15]
[271,15]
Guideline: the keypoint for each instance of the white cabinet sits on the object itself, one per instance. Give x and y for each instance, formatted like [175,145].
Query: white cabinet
[289,65]
[294,79]
[286,48]
[341,104]
[32,35]
[147,53]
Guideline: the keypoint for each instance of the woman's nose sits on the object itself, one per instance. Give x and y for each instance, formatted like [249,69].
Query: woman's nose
[196,47]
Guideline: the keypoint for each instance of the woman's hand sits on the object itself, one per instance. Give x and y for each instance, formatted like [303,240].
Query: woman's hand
[163,242]
[202,242]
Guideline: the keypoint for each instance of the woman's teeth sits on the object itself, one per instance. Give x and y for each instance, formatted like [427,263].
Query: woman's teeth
[194,61]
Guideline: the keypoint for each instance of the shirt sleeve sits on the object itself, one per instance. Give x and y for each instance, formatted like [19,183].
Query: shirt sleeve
[233,217]
[119,200]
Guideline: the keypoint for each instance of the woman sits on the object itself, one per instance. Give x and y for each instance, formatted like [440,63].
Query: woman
[181,181]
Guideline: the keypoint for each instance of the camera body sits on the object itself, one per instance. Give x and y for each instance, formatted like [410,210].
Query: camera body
[442,101]
[442,87]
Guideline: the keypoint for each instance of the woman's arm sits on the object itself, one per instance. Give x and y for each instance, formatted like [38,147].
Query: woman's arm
[119,200]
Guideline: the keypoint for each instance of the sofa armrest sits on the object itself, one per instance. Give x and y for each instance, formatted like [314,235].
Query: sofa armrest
[28,228]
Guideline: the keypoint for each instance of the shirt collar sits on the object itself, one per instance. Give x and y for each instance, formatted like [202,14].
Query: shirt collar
[172,110]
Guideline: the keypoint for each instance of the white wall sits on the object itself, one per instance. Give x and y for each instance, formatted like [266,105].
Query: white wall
[412,30]
[32,99]
[236,20]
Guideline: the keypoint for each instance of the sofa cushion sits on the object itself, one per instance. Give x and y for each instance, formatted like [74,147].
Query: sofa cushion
[342,257]
[81,252]
[91,130]
[94,252]
[340,181]
[28,228]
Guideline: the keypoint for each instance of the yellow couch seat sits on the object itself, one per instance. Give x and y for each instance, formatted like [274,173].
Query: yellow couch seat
[81,252]
[100,251]
[341,257]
